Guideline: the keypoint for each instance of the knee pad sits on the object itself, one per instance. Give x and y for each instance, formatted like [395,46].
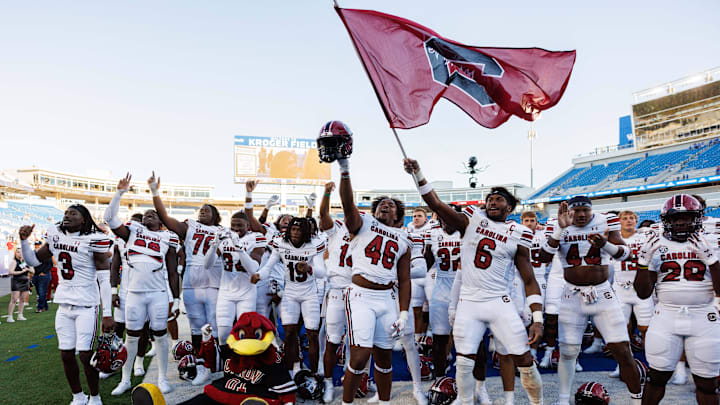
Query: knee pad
[707,386]
[658,378]
[356,372]
[383,370]
[569,351]
[465,362]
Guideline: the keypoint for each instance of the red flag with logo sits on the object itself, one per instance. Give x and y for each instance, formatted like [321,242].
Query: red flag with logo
[411,67]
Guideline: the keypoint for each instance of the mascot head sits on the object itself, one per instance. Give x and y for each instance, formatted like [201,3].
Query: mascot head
[252,335]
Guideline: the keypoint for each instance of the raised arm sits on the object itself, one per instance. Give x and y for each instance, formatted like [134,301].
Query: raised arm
[326,221]
[32,257]
[255,225]
[111,212]
[180,228]
[310,200]
[451,217]
[353,221]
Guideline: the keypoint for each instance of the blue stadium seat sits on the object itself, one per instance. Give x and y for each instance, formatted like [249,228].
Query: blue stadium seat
[596,174]
[655,164]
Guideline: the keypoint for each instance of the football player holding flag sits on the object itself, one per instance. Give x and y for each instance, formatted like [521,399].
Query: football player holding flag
[490,247]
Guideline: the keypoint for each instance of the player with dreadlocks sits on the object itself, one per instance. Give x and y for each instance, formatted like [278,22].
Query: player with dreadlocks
[200,284]
[80,250]
[301,256]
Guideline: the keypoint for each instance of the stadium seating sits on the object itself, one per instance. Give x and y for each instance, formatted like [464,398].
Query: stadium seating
[21,213]
[595,174]
[654,164]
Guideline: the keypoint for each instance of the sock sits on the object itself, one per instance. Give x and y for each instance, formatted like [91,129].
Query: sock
[597,341]
[566,370]
[413,359]
[531,381]
[509,397]
[479,385]
[464,380]
[79,395]
[680,366]
[418,336]
[131,345]
[162,355]
[139,362]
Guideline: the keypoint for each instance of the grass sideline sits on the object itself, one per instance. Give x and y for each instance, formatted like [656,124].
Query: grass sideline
[37,377]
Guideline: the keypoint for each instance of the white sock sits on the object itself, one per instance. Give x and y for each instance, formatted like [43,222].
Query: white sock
[597,341]
[532,382]
[680,366]
[464,380]
[94,396]
[479,385]
[509,397]
[413,359]
[162,355]
[139,361]
[131,345]
[566,370]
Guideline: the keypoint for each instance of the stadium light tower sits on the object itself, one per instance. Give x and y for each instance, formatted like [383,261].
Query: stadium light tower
[532,134]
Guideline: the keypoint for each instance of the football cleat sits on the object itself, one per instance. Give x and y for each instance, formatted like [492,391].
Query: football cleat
[334,141]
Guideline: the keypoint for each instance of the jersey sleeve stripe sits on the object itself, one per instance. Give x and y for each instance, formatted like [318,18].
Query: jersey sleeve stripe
[469,211]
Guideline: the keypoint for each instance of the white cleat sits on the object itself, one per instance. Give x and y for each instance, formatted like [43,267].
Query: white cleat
[482,396]
[501,401]
[329,391]
[121,388]
[679,377]
[547,357]
[79,401]
[202,377]
[615,373]
[95,400]
[420,397]
[105,375]
[10,319]
[138,370]
[151,352]
[164,386]
[595,347]
[578,367]
[21,317]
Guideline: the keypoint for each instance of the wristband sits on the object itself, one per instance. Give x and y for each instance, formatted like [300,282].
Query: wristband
[557,233]
[711,261]
[249,205]
[537,317]
[248,195]
[418,177]
[344,167]
[113,290]
[534,299]
[425,188]
[176,304]
[546,247]
[611,248]
[107,312]
[327,194]
[154,189]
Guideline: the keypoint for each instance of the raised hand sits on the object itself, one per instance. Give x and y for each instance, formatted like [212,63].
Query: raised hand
[310,200]
[329,187]
[272,201]
[25,231]
[647,250]
[153,182]
[411,165]
[564,215]
[250,185]
[124,183]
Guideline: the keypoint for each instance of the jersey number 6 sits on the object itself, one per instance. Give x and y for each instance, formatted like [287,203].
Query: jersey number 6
[483,257]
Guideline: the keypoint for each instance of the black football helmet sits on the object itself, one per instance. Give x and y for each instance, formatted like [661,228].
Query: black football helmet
[334,141]
[442,392]
[309,385]
[188,367]
[678,205]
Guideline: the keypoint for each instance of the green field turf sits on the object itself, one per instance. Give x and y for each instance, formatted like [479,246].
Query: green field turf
[37,376]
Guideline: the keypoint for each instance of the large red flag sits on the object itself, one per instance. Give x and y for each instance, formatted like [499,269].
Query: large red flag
[411,67]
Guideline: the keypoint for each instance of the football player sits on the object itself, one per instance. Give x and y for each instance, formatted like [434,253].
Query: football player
[380,255]
[199,284]
[625,275]
[241,252]
[150,253]
[529,220]
[81,253]
[418,299]
[585,254]
[301,257]
[443,251]
[489,249]
[681,264]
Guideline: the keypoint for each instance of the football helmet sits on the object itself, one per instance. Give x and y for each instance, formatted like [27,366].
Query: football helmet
[188,367]
[182,349]
[340,354]
[309,385]
[555,358]
[592,393]
[425,344]
[681,204]
[427,369]
[334,141]
[110,354]
[442,392]
[643,370]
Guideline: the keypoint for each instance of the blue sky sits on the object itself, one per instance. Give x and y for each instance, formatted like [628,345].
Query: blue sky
[165,85]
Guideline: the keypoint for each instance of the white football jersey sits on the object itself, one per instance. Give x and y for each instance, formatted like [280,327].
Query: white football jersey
[488,255]
[339,261]
[77,281]
[376,250]
[575,250]
[198,242]
[284,252]
[711,225]
[429,224]
[446,250]
[145,252]
[682,279]
[235,280]
[540,269]
[625,270]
